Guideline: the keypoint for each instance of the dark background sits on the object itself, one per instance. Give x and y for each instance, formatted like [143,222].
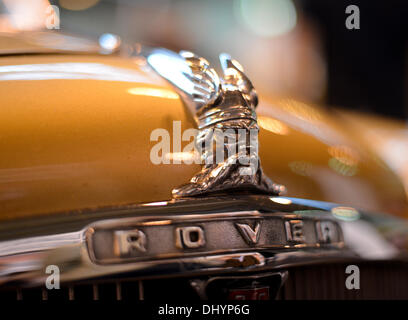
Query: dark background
[367,68]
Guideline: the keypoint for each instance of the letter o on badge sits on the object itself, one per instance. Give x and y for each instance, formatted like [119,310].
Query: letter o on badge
[190,237]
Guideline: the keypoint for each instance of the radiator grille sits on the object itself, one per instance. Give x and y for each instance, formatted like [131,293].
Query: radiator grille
[381,280]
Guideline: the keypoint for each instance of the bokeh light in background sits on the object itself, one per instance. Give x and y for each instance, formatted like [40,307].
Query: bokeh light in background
[265,17]
[109,42]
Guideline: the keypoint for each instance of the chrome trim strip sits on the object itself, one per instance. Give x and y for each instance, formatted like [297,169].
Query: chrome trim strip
[25,259]
[163,227]
[42,243]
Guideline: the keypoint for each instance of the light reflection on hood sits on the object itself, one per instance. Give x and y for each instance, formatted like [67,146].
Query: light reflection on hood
[71,70]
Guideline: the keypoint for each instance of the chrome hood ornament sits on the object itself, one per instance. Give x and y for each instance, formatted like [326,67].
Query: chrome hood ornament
[224,110]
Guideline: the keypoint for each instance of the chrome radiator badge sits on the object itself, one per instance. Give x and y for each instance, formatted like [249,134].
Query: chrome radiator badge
[224,111]
[208,234]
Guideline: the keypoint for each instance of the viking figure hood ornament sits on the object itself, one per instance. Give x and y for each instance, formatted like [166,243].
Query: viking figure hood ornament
[224,110]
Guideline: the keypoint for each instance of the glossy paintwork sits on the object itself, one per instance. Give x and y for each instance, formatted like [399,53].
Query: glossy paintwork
[76,143]
[387,137]
[75,133]
[317,155]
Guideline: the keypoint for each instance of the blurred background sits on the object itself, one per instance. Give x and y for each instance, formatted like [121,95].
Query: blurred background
[297,48]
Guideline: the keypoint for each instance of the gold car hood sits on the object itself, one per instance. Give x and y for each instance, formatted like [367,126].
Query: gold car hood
[75,134]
